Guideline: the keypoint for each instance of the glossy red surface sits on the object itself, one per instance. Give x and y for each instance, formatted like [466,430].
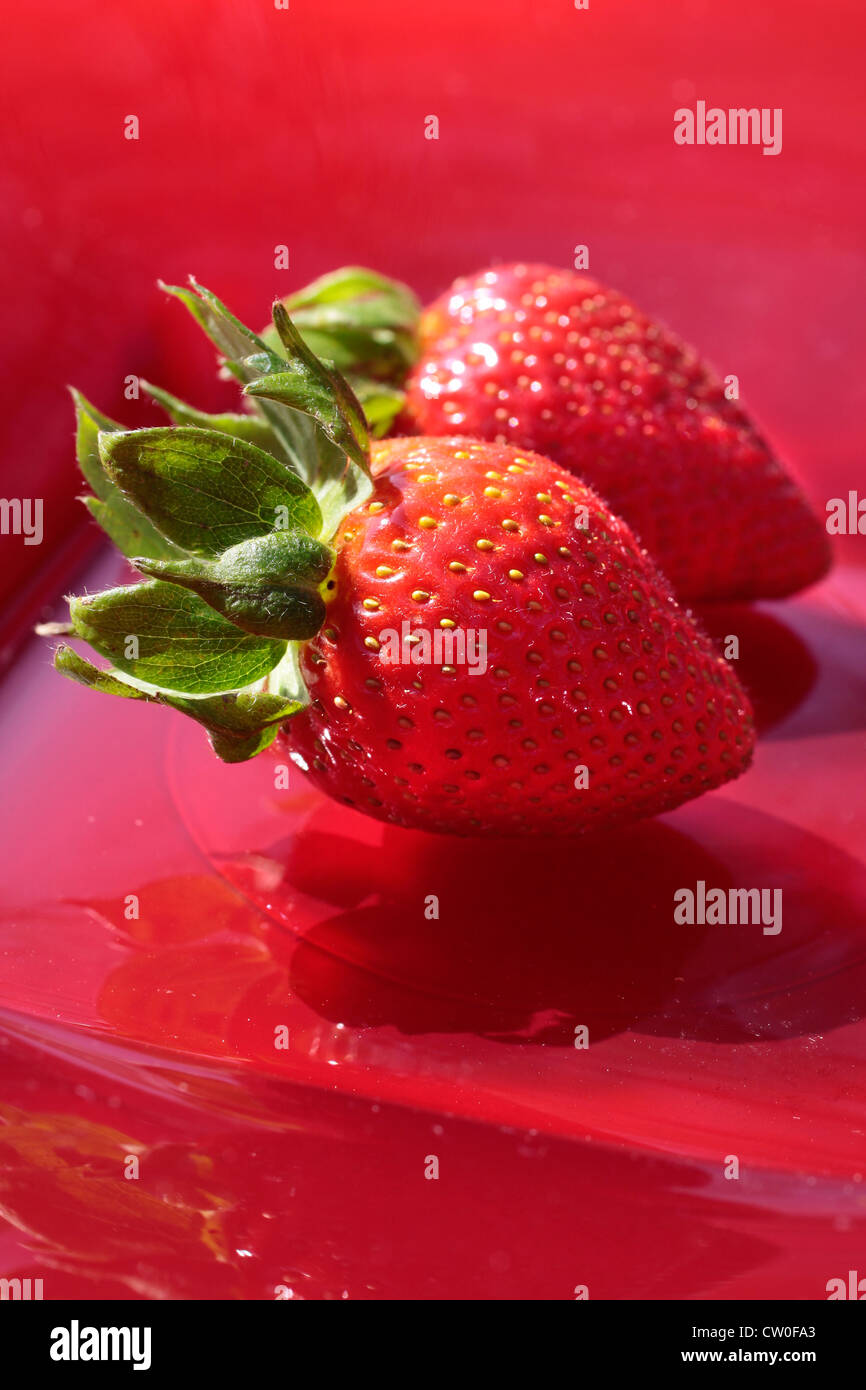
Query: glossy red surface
[154,1037]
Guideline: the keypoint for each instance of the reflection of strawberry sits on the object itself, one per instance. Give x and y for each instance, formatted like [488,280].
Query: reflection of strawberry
[461,639]
[550,360]
[360,967]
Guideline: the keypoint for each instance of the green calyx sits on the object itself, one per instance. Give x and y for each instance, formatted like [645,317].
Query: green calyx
[366,325]
[230,518]
[267,586]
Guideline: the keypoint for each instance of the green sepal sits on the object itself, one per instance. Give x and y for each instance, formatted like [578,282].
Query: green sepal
[372,298]
[180,643]
[207,491]
[267,586]
[384,357]
[286,679]
[88,423]
[232,339]
[363,322]
[308,385]
[119,517]
[239,724]
[340,487]
[311,454]
[235,343]
[381,404]
[252,428]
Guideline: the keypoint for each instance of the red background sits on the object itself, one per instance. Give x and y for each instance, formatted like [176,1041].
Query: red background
[260,127]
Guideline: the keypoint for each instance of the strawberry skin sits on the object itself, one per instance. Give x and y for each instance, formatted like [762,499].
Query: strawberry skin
[551,360]
[590,661]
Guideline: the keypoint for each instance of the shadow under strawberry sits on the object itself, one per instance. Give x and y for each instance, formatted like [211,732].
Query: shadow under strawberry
[774,664]
[529,946]
[804,665]
[528,943]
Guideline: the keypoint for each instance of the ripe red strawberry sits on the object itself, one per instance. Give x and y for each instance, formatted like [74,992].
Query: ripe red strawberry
[553,361]
[590,662]
[466,640]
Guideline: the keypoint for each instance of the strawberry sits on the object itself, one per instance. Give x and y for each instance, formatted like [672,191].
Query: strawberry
[553,361]
[446,634]
[589,661]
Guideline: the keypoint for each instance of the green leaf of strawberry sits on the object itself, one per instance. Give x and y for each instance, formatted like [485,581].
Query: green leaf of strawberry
[236,344]
[118,516]
[381,404]
[240,724]
[170,638]
[314,446]
[231,337]
[307,385]
[227,531]
[355,294]
[206,490]
[267,585]
[360,320]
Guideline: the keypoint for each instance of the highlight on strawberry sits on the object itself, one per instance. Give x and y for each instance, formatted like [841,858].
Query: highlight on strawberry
[307,584]
[551,360]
